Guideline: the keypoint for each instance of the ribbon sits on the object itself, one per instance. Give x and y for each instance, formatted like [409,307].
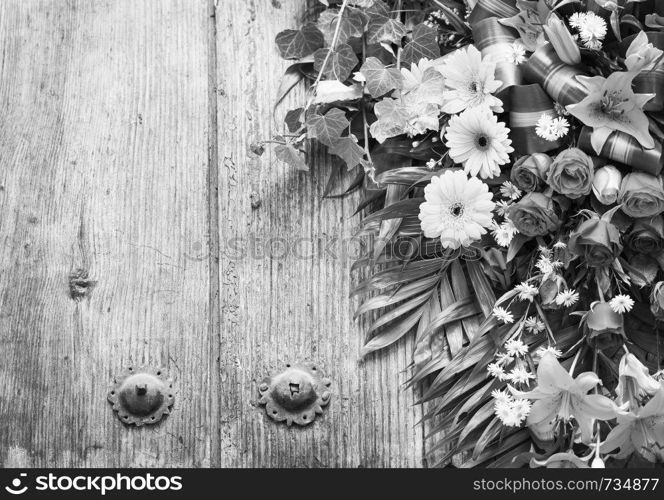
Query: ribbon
[556,77]
[529,103]
[495,41]
[492,8]
[641,9]
[650,81]
[625,149]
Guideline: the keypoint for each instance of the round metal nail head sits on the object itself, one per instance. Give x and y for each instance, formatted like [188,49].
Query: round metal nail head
[142,395]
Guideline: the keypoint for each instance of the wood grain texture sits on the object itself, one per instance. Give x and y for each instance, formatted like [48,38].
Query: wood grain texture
[104,157]
[295,306]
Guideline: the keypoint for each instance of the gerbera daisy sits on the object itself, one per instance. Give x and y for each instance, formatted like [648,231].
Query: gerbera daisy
[470,81]
[567,298]
[526,291]
[457,209]
[503,315]
[621,304]
[479,141]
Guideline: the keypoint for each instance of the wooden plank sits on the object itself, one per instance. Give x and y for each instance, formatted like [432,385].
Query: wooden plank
[104,153]
[291,308]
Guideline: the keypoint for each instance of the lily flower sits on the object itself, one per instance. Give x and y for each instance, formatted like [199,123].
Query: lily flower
[634,381]
[559,397]
[562,41]
[612,105]
[641,431]
[641,54]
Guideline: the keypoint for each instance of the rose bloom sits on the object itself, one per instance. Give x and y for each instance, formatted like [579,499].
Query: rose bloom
[572,173]
[647,235]
[641,195]
[534,215]
[604,327]
[528,172]
[596,241]
[657,300]
[606,184]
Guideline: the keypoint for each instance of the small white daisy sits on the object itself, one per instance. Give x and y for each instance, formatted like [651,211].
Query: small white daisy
[515,347]
[518,53]
[509,190]
[503,315]
[495,370]
[544,265]
[534,325]
[576,19]
[431,164]
[502,396]
[567,298]
[543,127]
[522,407]
[502,233]
[621,304]
[559,244]
[548,350]
[504,358]
[560,127]
[505,413]
[501,206]
[526,291]
[520,375]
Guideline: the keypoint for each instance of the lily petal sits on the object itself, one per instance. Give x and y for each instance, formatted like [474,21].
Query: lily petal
[586,381]
[599,137]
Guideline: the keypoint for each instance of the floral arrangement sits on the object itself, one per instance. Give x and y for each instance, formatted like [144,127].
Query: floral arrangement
[510,155]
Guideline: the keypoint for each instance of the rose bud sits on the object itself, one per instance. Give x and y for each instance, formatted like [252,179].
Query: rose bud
[562,41]
[641,195]
[551,286]
[528,172]
[657,300]
[534,215]
[647,235]
[606,184]
[604,327]
[597,241]
[572,173]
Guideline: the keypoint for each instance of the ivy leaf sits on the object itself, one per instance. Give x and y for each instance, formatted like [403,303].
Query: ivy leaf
[293,119]
[386,30]
[352,24]
[296,44]
[288,154]
[327,128]
[424,44]
[379,79]
[392,119]
[348,150]
[328,91]
[339,65]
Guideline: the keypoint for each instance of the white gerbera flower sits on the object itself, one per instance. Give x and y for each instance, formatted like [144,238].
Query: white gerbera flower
[515,347]
[621,304]
[592,30]
[548,350]
[479,141]
[526,291]
[534,325]
[509,190]
[457,209]
[503,315]
[567,298]
[469,81]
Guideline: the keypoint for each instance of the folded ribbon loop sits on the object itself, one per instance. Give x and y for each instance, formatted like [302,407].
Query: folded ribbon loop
[529,103]
[492,8]
[556,77]
[625,149]
[495,41]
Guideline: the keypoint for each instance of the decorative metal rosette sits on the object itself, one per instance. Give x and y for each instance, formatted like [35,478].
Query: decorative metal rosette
[142,395]
[296,395]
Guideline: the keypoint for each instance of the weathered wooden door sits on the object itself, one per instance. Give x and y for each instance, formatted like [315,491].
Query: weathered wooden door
[135,226]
